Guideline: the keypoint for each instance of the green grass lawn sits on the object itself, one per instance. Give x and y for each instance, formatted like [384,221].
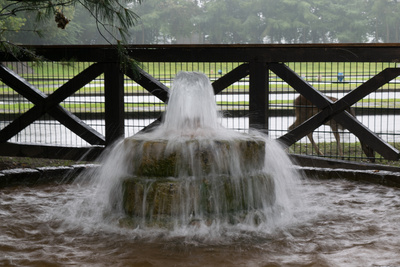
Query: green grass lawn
[21,107]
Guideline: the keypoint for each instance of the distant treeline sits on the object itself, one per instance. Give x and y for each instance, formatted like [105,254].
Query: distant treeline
[235,21]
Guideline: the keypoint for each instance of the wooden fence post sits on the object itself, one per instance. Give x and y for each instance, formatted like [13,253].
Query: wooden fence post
[114,102]
[258,96]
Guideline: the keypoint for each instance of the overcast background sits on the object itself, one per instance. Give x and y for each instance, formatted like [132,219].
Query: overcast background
[234,22]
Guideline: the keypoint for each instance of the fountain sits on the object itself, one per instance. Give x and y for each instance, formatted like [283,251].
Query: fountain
[192,193]
[191,170]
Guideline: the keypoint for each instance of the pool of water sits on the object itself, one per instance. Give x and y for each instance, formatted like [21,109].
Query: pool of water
[335,223]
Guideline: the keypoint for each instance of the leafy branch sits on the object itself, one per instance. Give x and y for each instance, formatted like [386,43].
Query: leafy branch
[113,19]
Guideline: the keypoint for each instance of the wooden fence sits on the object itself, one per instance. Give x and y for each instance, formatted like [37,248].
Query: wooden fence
[259,68]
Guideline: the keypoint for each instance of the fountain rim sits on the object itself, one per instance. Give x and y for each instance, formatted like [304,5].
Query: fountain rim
[370,173]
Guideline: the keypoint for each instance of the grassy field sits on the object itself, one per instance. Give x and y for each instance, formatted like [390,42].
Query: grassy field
[49,76]
[312,71]
[98,107]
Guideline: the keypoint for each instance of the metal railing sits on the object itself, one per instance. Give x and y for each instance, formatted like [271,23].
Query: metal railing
[79,100]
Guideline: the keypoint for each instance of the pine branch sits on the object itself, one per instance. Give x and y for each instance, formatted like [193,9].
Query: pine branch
[111,13]
[17,51]
[112,18]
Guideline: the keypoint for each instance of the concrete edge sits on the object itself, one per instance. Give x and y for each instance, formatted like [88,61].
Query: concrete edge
[42,175]
[381,177]
[319,162]
[63,175]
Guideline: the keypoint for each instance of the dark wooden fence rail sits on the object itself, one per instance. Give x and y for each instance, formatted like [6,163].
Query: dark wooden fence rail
[257,62]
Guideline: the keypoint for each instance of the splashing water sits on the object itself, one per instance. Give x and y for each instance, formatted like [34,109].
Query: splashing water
[341,223]
[191,175]
[191,107]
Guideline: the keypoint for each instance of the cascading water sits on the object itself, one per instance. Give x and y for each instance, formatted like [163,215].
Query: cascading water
[191,171]
[237,208]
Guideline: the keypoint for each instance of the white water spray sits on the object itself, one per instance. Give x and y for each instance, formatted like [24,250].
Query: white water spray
[192,172]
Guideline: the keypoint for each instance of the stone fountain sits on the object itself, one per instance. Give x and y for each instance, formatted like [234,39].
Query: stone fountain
[191,170]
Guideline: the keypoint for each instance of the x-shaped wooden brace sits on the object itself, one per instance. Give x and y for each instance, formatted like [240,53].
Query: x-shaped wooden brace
[51,104]
[336,111]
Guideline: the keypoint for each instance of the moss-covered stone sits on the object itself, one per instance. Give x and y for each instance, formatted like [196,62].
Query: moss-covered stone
[161,198]
[148,197]
[160,158]
[195,180]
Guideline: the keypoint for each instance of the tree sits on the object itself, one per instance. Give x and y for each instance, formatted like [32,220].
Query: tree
[148,28]
[287,21]
[33,30]
[176,26]
[231,21]
[8,25]
[341,20]
[384,20]
[166,21]
[112,18]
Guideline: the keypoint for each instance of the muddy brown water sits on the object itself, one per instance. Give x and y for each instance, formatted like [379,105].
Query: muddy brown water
[340,223]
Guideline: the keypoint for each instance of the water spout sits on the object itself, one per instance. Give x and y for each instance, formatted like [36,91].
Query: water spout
[191,105]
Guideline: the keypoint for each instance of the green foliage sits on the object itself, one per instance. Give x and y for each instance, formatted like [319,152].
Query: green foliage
[9,23]
[201,21]
[271,21]
[112,20]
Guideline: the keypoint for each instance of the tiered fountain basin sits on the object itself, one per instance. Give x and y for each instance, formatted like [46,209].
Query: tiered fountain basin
[196,179]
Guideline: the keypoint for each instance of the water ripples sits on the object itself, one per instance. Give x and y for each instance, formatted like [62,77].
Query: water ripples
[342,223]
